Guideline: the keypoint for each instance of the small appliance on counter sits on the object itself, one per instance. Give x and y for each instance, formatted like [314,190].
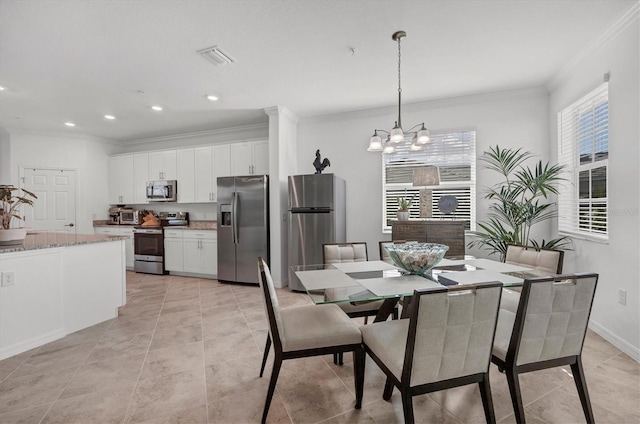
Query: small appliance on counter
[120,215]
[148,241]
[162,191]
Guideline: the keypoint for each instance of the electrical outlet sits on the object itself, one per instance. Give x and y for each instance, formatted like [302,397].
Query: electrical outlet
[622,297]
[8,278]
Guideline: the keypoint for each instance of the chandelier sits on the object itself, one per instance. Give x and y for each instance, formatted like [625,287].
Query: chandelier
[416,137]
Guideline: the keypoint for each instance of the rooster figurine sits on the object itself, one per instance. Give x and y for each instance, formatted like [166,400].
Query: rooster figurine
[320,164]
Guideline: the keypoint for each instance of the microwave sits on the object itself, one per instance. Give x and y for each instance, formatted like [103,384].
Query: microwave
[129,217]
[162,191]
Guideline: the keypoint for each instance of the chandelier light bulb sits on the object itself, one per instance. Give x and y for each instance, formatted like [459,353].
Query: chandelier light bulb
[375,144]
[424,136]
[397,135]
[415,147]
[388,149]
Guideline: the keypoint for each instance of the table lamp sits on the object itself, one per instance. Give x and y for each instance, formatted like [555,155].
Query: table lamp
[426,176]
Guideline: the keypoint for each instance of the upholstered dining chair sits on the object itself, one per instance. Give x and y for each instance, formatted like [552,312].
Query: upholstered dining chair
[542,327]
[540,259]
[352,252]
[308,330]
[445,343]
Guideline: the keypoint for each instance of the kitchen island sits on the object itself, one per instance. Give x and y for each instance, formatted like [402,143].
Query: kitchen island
[54,284]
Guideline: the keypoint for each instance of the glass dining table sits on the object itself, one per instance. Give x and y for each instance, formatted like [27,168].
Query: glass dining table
[358,282]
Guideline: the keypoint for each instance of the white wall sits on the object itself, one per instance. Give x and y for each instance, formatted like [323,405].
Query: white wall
[5,155]
[617,261]
[85,154]
[509,119]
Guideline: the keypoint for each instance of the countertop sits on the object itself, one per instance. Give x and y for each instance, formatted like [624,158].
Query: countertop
[193,225]
[46,240]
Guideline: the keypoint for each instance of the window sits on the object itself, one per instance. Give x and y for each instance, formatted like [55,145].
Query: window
[454,154]
[583,147]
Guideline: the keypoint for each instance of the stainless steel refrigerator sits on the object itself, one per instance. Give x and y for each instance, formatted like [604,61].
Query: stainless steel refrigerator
[243,227]
[317,215]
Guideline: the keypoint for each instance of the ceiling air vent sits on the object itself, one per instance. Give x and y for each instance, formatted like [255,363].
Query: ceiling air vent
[216,56]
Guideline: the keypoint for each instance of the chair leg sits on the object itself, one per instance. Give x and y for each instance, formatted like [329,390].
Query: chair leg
[388,389]
[395,313]
[338,358]
[277,363]
[266,353]
[358,374]
[366,319]
[335,358]
[581,385]
[487,400]
[407,406]
[516,396]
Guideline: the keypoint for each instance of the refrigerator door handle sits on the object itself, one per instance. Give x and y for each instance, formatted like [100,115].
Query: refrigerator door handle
[234,216]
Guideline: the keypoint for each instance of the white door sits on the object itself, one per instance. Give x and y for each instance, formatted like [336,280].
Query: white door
[55,207]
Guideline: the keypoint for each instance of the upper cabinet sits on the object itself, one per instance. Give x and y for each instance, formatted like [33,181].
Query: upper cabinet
[211,162]
[186,175]
[250,158]
[163,165]
[121,189]
[140,177]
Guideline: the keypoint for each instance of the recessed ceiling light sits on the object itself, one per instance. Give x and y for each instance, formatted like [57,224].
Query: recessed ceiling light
[212,97]
[70,124]
[2,88]
[156,108]
[110,117]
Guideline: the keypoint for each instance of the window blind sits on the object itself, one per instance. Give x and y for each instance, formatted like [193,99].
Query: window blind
[454,154]
[583,147]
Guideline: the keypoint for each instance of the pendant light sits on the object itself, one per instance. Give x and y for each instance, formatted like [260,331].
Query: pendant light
[397,135]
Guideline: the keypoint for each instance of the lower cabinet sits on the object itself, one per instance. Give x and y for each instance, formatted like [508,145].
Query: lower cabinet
[120,231]
[194,251]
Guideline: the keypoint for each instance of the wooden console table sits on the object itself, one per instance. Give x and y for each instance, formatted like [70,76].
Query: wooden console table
[450,233]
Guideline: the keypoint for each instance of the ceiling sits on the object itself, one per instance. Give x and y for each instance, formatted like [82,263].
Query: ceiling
[79,60]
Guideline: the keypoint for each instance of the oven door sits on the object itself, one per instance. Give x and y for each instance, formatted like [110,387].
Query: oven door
[148,243]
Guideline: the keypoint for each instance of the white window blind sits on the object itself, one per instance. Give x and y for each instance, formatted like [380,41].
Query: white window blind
[583,147]
[454,154]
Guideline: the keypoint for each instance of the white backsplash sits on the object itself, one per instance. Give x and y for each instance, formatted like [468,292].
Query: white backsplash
[197,211]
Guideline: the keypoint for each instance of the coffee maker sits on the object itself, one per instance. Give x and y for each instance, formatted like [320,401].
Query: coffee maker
[114,215]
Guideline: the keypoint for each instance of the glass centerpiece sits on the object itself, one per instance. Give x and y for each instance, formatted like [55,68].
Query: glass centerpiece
[416,258]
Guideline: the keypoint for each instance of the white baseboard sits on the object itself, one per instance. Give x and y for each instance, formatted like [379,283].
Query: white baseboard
[630,350]
[23,346]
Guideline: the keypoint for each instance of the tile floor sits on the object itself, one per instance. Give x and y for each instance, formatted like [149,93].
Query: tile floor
[185,350]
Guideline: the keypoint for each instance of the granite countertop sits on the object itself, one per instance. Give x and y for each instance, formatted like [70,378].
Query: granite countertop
[44,240]
[193,225]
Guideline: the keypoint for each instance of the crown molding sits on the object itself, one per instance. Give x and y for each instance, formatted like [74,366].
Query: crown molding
[222,131]
[281,110]
[59,134]
[624,21]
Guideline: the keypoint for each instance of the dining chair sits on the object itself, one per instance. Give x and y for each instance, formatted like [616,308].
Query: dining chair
[542,327]
[445,343]
[352,252]
[541,259]
[307,330]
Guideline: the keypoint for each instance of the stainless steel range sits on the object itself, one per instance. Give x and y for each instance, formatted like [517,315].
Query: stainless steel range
[149,243]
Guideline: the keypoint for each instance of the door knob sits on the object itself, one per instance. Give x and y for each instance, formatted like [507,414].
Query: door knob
[70,225]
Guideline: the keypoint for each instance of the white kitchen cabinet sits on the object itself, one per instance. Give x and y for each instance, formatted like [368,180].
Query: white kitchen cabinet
[250,158]
[120,231]
[186,172]
[192,251]
[121,179]
[173,252]
[204,174]
[163,165]
[140,177]
[221,165]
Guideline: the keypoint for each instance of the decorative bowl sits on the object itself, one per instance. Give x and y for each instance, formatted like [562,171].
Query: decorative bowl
[416,258]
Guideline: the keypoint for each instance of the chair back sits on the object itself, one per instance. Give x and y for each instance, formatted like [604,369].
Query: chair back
[552,317]
[451,331]
[544,260]
[270,302]
[344,252]
[384,255]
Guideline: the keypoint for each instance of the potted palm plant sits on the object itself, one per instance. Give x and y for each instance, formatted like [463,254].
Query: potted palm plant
[519,202]
[9,208]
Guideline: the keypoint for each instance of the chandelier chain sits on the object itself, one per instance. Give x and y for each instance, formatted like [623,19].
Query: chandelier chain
[399,62]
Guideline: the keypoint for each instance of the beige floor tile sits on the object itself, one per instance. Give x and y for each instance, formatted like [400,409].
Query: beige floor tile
[25,416]
[34,389]
[133,325]
[118,345]
[173,306]
[247,408]
[176,335]
[217,313]
[166,395]
[223,328]
[98,376]
[197,415]
[237,345]
[188,317]
[55,355]
[106,406]
[153,299]
[172,360]
[425,410]
[130,310]
[354,416]
[234,377]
